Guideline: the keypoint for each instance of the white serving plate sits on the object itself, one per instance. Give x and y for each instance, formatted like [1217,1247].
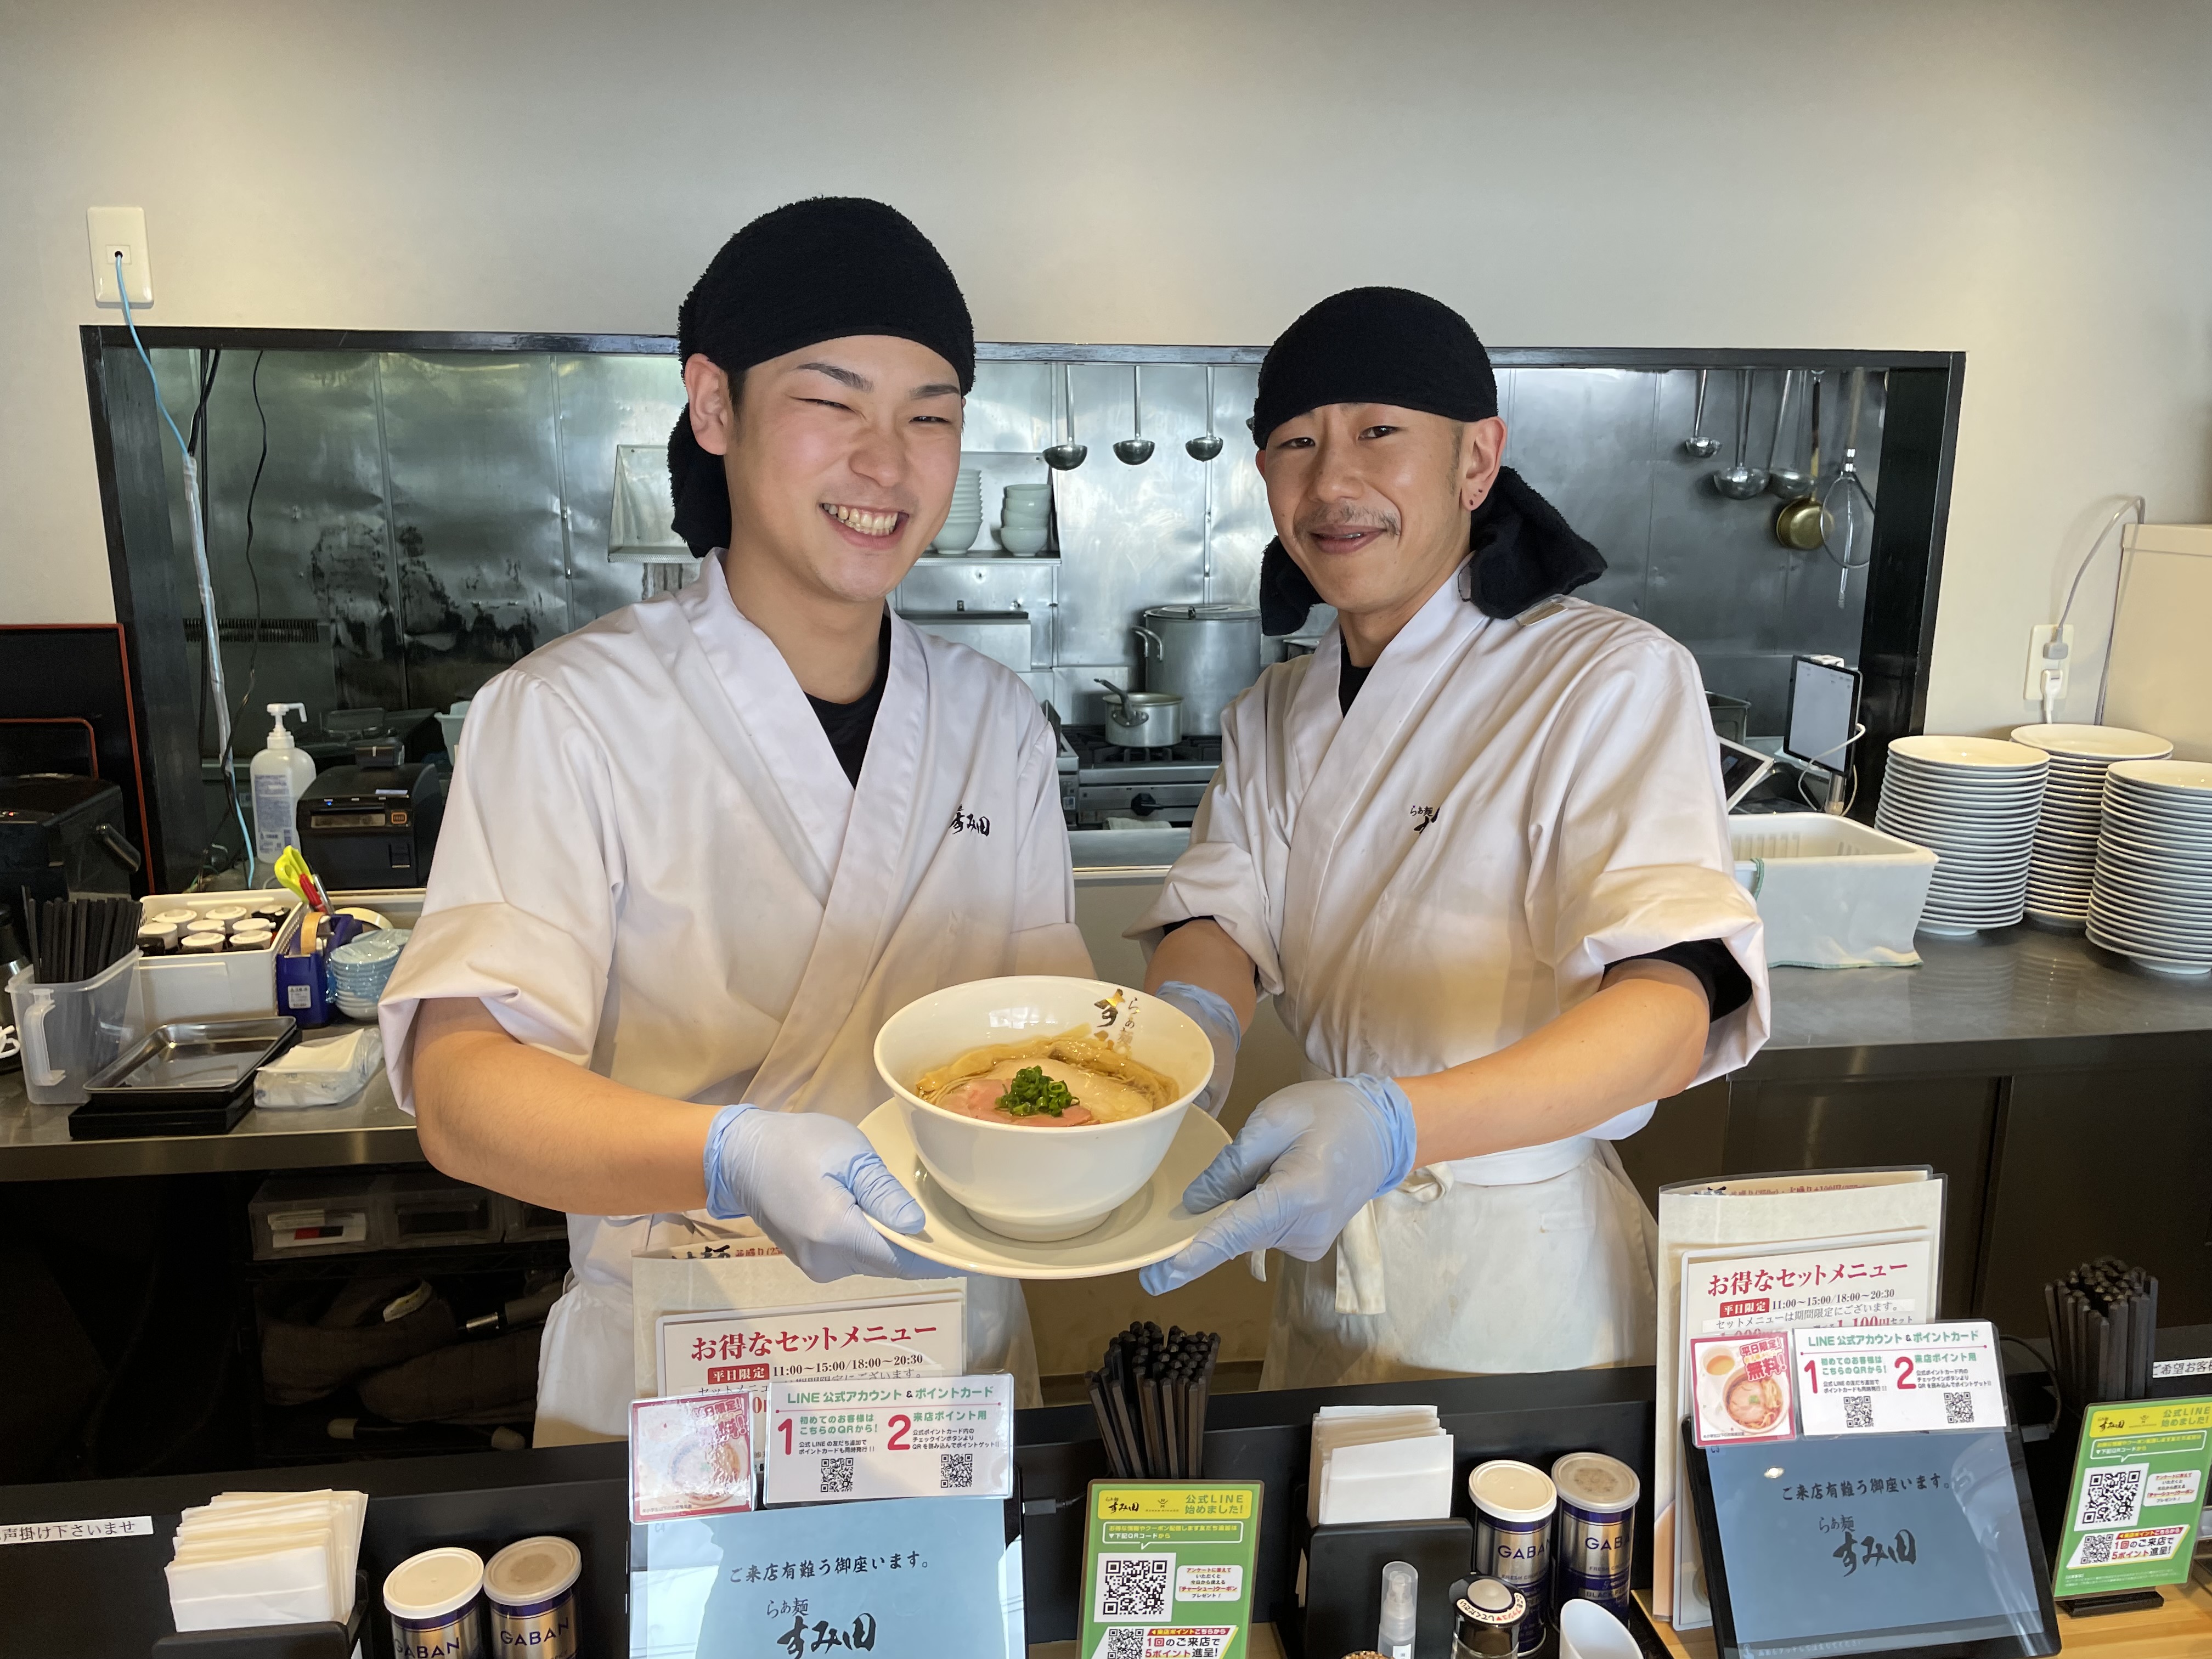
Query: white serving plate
[1974,754]
[2097,743]
[1147,1227]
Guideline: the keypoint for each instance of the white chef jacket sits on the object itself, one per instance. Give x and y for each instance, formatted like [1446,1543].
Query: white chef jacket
[653,865]
[1510,807]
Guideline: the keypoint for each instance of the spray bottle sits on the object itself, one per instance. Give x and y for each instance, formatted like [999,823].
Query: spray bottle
[282,772]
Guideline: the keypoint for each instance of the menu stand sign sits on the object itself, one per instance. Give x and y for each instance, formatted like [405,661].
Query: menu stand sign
[1167,1569]
[2132,1512]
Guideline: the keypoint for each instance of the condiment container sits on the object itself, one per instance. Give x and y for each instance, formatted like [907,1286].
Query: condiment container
[436,1603]
[530,1587]
[1514,1504]
[253,936]
[1487,1614]
[1595,1533]
[201,944]
[185,919]
[225,916]
[158,938]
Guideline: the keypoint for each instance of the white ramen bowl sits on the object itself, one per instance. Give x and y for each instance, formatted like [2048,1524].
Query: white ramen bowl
[1032,1183]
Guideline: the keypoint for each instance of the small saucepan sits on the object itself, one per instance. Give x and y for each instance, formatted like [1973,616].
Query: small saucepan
[1143,719]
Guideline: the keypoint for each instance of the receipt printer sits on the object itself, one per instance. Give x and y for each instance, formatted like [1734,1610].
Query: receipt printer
[374,823]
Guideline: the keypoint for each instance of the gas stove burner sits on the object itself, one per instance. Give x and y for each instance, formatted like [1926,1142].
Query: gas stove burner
[1092,749]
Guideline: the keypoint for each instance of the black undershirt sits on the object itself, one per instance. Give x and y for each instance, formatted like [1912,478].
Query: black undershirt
[1708,961]
[849,725]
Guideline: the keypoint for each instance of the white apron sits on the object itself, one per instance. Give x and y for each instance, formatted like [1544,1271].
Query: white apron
[1509,808]
[653,865]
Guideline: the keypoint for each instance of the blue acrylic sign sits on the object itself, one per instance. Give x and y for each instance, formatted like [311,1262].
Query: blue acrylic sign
[900,1578]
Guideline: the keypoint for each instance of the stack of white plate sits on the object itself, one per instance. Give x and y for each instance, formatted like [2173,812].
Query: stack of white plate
[1974,802]
[2064,862]
[2153,897]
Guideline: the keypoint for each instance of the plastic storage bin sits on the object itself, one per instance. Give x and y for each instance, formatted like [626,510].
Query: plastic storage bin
[68,1032]
[423,1210]
[231,985]
[1833,893]
[295,1216]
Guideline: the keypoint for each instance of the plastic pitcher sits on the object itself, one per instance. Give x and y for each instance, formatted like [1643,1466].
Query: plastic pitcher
[70,1031]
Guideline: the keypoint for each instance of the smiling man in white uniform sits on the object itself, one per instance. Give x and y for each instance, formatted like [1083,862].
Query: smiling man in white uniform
[699,850]
[1474,848]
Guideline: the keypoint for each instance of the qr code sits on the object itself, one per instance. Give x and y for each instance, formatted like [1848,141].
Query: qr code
[836,1474]
[956,1471]
[1859,1411]
[1957,1406]
[1122,1644]
[2096,1550]
[2111,1498]
[1133,1586]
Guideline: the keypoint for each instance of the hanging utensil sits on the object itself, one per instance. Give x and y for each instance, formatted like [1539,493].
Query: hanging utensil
[1207,447]
[1137,449]
[1854,512]
[1801,522]
[1782,480]
[1067,454]
[1742,481]
[1697,443]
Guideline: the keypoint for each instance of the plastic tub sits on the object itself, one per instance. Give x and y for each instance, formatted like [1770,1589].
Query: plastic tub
[215,985]
[1833,892]
[68,1032]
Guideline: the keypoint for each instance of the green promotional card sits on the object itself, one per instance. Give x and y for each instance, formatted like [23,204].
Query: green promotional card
[2138,1490]
[1167,1569]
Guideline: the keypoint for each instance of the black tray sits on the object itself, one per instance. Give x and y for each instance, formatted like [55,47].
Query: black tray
[189,1077]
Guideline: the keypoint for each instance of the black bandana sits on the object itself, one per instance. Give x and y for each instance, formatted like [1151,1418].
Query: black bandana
[1390,345]
[817,270]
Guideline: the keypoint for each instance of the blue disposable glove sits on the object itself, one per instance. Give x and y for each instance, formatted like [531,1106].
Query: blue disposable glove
[1218,1021]
[1307,1160]
[806,1177]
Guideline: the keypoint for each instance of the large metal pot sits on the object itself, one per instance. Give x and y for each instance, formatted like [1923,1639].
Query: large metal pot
[1204,654]
[1142,719]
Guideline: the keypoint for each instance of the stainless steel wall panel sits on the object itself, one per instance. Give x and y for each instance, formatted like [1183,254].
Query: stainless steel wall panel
[603,401]
[1008,410]
[1582,437]
[475,473]
[1237,495]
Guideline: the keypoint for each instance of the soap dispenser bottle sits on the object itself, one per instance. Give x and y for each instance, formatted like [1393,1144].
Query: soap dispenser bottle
[282,772]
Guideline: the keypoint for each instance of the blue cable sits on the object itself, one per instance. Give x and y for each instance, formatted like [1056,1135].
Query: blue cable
[230,783]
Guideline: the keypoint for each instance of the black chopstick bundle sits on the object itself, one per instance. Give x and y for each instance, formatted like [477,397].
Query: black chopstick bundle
[1150,1397]
[74,940]
[2103,1332]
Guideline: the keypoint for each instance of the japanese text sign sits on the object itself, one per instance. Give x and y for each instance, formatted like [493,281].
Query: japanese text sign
[922,1437]
[1168,1568]
[917,1578]
[2131,1517]
[1898,1378]
[915,1336]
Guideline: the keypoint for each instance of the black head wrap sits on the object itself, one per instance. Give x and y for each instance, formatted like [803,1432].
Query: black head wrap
[1389,345]
[817,270]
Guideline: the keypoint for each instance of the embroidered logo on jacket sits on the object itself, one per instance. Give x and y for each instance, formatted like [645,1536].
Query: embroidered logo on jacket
[1427,815]
[964,819]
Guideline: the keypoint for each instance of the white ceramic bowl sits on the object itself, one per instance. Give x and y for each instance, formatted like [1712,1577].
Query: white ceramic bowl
[1024,540]
[1029,1183]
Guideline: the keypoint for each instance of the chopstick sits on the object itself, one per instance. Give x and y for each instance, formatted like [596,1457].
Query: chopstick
[1149,1395]
[74,940]
[2103,1332]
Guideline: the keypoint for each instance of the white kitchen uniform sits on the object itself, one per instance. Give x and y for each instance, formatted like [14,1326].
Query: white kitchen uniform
[653,865]
[1510,807]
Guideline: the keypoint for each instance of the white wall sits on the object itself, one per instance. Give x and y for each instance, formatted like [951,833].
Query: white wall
[2030,183]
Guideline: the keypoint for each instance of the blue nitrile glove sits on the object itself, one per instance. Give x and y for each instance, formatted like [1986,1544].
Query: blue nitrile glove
[1306,1161]
[806,1177]
[1218,1021]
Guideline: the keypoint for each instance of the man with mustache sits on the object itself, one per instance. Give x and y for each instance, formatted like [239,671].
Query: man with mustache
[698,851]
[1475,846]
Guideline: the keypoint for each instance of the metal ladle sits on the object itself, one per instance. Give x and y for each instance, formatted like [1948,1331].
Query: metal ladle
[1137,449]
[1697,443]
[1801,522]
[1782,480]
[1205,448]
[1742,481]
[1067,454]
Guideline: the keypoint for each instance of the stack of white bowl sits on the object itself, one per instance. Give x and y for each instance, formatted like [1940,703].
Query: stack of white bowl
[1974,802]
[2064,862]
[1023,519]
[2153,896]
[967,515]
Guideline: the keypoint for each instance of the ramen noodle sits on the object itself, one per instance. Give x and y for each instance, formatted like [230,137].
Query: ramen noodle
[1106,1086]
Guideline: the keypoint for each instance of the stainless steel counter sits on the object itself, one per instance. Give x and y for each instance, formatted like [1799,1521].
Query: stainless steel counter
[1997,1004]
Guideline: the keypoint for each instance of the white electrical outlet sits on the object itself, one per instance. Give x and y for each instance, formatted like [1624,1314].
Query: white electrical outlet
[119,230]
[2050,650]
